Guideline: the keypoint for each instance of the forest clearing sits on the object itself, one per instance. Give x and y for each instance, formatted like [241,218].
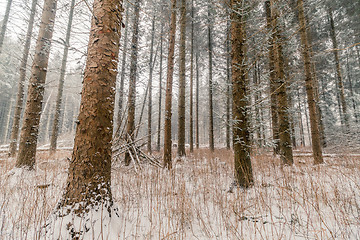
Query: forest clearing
[179,119]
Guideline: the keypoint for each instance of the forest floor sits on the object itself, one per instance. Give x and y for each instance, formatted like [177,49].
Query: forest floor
[192,201]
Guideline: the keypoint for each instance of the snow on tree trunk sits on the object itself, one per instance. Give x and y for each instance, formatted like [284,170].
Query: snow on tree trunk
[86,209]
[30,128]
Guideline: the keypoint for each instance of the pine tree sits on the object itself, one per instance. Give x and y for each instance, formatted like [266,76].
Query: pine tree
[30,128]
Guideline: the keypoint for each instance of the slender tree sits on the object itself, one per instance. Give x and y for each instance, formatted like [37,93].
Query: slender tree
[169,83]
[160,87]
[191,132]
[151,69]
[286,153]
[241,132]
[22,75]
[123,65]
[130,127]
[309,84]
[197,136]
[273,98]
[89,179]
[55,128]
[181,105]
[4,23]
[340,82]
[211,87]
[228,82]
[30,128]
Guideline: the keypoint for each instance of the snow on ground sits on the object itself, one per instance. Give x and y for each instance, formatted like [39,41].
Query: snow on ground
[193,202]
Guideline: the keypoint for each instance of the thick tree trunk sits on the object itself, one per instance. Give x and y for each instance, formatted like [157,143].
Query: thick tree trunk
[89,178]
[20,93]
[191,132]
[273,98]
[241,132]
[149,137]
[4,23]
[123,65]
[30,128]
[160,88]
[338,69]
[130,127]
[55,128]
[309,83]
[181,105]
[169,83]
[286,154]
[211,87]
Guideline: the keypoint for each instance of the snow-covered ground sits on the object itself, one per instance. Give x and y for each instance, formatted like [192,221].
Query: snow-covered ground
[193,202]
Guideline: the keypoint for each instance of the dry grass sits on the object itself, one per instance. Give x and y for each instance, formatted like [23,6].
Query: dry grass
[192,202]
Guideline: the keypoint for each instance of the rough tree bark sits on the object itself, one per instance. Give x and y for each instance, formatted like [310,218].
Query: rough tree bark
[169,83]
[228,83]
[181,105]
[130,126]
[20,93]
[197,132]
[309,83]
[241,131]
[4,23]
[55,128]
[286,154]
[89,178]
[273,98]
[30,128]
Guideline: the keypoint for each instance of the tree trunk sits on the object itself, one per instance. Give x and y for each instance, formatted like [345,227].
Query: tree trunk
[130,127]
[123,65]
[197,137]
[228,83]
[241,131]
[4,23]
[286,154]
[181,106]
[8,121]
[211,87]
[309,83]
[89,178]
[191,133]
[30,128]
[150,86]
[55,128]
[169,83]
[20,93]
[351,88]
[160,88]
[273,98]
[338,69]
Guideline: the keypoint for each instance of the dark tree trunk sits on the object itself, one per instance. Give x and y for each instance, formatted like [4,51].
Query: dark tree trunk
[169,83]
[160,88]
[241,132]
[181,105]
[191,132]
[309,84]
